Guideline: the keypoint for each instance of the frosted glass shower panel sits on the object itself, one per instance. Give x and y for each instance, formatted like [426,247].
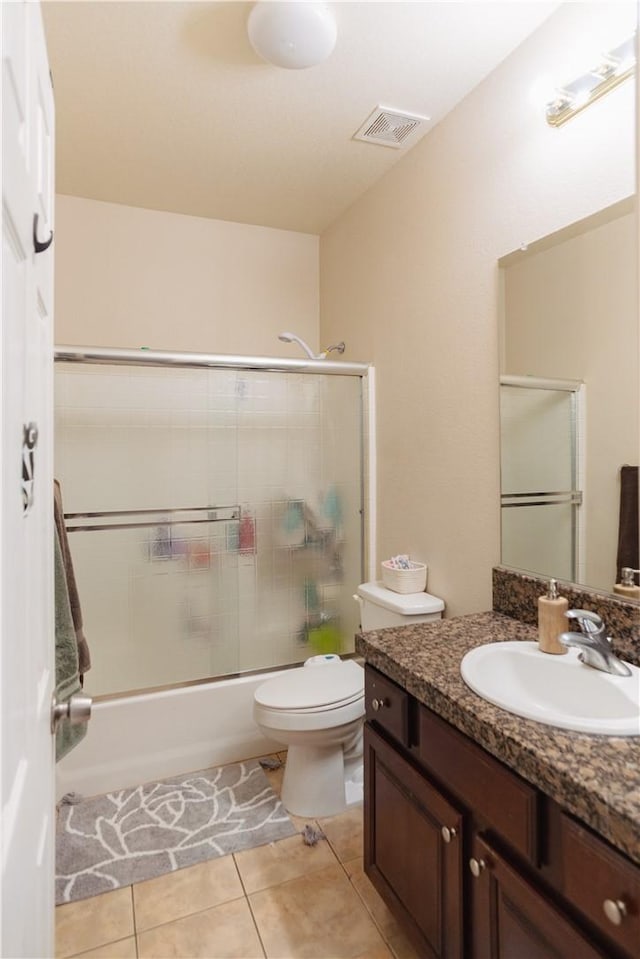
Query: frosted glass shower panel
[159,597]
[538,430]
[539,538]
[215,517]
[539,479]
[300,487]
[134,438]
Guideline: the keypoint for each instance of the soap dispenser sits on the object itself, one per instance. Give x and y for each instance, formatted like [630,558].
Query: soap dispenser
[552,620]
[627,587]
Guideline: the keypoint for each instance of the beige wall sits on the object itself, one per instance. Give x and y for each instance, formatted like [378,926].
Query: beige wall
[409,279]
[128,277]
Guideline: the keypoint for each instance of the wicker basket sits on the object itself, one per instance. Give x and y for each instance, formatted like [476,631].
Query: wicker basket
[412,580]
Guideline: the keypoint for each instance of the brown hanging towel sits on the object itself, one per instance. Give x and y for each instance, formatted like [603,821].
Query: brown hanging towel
[629,525]
[84,657]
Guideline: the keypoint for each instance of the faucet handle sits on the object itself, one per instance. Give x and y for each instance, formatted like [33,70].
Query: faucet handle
[589,622]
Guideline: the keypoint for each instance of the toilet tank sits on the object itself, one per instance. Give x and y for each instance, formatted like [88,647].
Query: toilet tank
[381,607]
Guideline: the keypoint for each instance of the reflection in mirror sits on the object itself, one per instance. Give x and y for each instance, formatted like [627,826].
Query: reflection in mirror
[541,422]
[569,401]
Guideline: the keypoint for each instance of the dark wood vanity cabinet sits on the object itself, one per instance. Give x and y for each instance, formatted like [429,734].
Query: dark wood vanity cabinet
[476,862]
[413,849]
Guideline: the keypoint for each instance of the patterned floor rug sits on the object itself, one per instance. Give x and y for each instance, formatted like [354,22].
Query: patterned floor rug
[135,834]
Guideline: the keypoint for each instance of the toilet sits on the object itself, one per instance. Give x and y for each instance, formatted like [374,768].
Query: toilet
[381,607]
[317,711]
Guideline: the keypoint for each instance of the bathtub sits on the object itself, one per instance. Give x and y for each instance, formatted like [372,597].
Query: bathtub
[137,739]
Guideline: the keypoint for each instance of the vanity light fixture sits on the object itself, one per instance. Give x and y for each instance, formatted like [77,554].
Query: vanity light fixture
[573,97]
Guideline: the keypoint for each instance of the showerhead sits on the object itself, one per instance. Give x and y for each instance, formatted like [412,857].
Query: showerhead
[292,338]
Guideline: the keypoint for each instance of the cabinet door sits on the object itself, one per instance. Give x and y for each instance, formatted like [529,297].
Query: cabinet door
[413,849]
[512,919]
[602,884]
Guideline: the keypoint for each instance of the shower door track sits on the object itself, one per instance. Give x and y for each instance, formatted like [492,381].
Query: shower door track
[118,357]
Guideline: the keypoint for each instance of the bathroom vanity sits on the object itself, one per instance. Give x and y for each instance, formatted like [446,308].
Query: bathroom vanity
[489,835]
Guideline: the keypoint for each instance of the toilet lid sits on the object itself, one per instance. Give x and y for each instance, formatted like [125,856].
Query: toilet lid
[307,688]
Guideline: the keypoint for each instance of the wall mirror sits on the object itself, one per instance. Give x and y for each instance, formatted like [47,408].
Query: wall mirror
[569,400]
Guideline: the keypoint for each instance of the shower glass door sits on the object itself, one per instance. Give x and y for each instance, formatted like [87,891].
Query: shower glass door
[214,517]
[540,496]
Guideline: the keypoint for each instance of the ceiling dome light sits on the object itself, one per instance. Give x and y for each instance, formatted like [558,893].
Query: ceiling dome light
[293,35]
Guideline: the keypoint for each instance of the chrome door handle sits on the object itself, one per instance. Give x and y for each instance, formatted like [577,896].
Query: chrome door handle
[77,709]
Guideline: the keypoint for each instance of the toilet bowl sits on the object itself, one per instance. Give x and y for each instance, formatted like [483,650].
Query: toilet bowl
[317,711]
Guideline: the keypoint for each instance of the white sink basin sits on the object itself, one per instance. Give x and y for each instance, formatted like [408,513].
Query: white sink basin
[556,690]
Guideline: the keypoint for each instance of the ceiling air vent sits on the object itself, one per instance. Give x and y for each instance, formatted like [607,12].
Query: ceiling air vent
[392,128]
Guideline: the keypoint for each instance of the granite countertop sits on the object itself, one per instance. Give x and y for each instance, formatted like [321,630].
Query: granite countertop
[596,778]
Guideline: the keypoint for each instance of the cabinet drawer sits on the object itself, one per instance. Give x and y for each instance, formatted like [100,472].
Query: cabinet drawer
[595,875]
[387,705]
[501,800]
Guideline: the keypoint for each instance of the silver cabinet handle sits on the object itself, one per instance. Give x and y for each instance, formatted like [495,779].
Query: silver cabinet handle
[377,704]
[448,833]
[477,866]
[77,709]
[615,910]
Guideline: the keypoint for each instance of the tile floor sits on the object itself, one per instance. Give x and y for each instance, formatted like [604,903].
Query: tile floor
[284,900]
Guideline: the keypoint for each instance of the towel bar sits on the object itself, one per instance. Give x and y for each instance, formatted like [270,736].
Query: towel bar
[573,497]
[162,517]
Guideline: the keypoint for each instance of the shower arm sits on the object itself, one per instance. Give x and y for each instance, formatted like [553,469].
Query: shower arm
[338,348]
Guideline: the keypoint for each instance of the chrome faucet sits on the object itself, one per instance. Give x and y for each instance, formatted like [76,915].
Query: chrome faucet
[593,642]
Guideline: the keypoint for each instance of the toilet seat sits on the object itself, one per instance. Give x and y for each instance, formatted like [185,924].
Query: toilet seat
[305,710]
[303,690]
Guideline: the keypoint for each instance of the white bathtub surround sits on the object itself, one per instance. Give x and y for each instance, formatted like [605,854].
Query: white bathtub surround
[137,739]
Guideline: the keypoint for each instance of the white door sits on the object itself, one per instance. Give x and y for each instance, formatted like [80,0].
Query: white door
[26,558]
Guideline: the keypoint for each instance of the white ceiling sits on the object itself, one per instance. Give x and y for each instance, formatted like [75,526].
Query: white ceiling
[165,105]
